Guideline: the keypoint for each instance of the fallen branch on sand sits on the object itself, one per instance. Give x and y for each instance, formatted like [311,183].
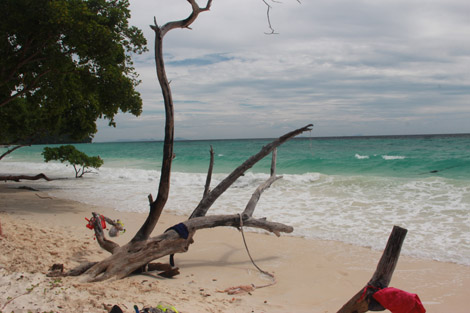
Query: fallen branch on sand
[143,249]
[17,178]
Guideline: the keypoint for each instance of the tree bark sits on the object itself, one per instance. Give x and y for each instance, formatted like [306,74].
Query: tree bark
[157,206]
[361,301]
[126,259]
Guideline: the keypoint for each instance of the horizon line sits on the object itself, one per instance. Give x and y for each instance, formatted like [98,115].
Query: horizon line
[299,137]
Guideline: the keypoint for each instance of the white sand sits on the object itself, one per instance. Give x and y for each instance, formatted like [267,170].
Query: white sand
[312,275]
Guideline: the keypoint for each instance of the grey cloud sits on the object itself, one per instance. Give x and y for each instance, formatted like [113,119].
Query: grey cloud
[362,67]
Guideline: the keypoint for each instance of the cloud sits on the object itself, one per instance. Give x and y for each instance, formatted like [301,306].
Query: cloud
[205,60]
[363,67]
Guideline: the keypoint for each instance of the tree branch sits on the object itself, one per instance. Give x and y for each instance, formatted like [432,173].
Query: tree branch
[25,89]
[209,173]
[268,16]
[104,243]
[187,21]
[207,201]
[32,58]
[233,220]
[157,206]
[11,150]
[250,207]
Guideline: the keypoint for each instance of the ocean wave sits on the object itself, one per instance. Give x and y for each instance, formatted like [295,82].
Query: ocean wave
[330,207]
[393,157]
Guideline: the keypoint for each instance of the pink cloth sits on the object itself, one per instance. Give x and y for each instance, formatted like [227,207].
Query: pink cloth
[399,301]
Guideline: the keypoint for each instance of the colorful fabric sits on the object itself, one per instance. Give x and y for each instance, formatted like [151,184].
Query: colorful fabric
[91,222]
[399,301]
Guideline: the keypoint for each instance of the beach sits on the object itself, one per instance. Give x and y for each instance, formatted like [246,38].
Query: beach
[311,275]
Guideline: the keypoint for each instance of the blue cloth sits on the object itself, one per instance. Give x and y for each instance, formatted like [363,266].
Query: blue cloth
[181,229]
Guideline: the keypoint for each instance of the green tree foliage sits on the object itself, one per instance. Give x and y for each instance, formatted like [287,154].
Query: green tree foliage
[79,160]
[63,65]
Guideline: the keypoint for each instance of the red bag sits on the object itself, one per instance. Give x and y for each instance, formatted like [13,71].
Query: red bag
[399,301]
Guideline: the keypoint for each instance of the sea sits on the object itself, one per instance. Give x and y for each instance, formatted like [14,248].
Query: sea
[348,189]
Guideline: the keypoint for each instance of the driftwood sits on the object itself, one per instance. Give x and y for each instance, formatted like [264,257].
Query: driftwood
[363,301]
[17,178]
[125,260]
[143,249]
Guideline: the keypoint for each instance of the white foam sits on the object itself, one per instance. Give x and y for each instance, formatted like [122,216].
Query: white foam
[361,157]
[359,210]
[393,157]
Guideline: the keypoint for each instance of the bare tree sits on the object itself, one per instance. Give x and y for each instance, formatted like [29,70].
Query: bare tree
[143,249]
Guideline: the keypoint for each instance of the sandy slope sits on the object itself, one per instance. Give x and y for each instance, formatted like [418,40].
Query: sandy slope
[313,276]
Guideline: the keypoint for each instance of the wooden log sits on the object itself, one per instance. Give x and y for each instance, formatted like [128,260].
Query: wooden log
[17,178]
[362,301]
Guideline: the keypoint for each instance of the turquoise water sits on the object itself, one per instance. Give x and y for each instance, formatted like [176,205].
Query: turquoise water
[347,189]
[406,156]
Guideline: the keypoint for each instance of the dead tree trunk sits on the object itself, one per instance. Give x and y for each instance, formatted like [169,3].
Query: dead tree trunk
[363,301]
[143,249]
[125,260]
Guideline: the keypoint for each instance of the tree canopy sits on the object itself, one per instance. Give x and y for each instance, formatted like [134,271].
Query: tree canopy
[63,65]
[78,159]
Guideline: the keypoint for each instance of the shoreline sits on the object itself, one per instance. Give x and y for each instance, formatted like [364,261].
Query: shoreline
[312,275]
[318,206]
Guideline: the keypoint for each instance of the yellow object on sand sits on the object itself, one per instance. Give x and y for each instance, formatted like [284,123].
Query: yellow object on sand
[167,308]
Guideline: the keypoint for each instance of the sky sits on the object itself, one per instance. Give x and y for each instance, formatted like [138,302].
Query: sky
[363,67]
